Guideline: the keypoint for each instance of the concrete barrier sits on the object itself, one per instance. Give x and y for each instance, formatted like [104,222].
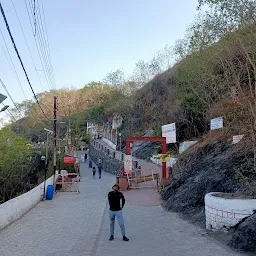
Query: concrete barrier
[224,211]
[17,207]
[109,143]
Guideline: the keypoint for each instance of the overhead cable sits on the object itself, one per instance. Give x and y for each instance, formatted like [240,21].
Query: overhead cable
[27,45]
[17,52]
[39,53]
[11,63]
[41,44]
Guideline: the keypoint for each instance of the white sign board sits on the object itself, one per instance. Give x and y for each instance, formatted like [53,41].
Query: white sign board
[217,123]
[237,138]
[169,131]
[127,163]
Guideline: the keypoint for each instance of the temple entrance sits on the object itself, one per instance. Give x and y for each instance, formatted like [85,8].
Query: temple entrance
[164,180]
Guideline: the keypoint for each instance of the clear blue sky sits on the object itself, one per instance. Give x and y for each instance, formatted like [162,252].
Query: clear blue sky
[88,39]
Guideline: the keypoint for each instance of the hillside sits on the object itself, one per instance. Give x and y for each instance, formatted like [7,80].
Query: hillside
[218,80]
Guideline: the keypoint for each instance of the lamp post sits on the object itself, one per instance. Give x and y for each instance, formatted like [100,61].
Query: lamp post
[4,108]
[120,142]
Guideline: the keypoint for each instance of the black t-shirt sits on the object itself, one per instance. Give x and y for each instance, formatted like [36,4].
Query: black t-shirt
[114,199]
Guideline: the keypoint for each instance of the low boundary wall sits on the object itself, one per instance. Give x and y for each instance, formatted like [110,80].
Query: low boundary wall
[226,212]
[17,207]
[109,143]
[110,165]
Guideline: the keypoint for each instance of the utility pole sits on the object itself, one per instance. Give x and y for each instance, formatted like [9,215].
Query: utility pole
[69,137]
[54,137]
[46,162]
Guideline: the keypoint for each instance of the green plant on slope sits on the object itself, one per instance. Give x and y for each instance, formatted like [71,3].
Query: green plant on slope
[15,161]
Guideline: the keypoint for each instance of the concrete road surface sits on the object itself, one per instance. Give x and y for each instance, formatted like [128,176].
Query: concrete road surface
[77,225]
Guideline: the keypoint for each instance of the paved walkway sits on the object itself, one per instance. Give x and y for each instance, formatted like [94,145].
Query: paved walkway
[77,225]
[146,166]
[66,226]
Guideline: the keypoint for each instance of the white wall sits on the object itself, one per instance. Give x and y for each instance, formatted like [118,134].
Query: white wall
[222,212]
[171,163]
[16,207]
[185,145]
[112,145]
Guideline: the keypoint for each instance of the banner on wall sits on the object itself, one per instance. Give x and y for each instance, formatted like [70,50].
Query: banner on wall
[69,159]
[217,123]
[237,138]
[99,128]
[127,163]
[116,122]
[164,158]
[169,131]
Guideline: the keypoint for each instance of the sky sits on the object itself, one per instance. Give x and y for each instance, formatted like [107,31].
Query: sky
[87,39]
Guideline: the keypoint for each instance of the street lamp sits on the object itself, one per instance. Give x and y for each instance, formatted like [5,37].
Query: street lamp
[4,108]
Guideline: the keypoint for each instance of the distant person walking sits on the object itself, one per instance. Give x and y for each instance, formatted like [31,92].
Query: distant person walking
[93,172]
[99,170]
[116,203]
[99,161]
[90,163]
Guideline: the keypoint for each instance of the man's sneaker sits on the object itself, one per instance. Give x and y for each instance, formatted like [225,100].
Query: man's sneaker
[125,239]
[111,238]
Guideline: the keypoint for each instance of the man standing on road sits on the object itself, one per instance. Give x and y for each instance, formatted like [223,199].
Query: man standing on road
[116,202]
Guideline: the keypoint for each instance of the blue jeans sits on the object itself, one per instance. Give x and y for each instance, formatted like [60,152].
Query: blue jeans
[120,219]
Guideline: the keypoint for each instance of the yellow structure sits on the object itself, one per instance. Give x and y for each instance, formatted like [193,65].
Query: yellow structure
[164,157]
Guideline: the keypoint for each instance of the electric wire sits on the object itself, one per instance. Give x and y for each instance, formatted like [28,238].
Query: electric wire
[10,114]
[9,95]
[12,64]
[27,44]
[43,42]
[47,39]
[17,52]
[39,53]
[40,43]
[35,16]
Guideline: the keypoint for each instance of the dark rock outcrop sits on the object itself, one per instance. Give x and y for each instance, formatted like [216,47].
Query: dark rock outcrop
[244,237]
[211,168]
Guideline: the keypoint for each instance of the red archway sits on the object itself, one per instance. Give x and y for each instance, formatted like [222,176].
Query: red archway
[153,139]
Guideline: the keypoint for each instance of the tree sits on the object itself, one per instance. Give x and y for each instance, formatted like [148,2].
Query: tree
[181,48]
[15,163]
[115,78]
[234,13]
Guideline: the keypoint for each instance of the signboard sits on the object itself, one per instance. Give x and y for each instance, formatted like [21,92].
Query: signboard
[234,93]
[169,131]
[99,128]
[164,158]
[217,123]
[127,163]
[69,159]
[2,97]
[237,138]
